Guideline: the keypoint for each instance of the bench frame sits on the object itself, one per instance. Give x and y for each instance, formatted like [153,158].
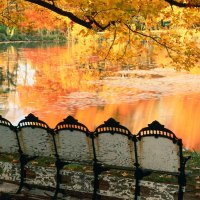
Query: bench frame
[111,126]
[33,122]
[155,129]
[69,123]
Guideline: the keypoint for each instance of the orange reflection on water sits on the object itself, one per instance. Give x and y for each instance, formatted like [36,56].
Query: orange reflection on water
[178,113]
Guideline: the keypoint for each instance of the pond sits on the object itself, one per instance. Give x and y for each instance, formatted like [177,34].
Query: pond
[46,80]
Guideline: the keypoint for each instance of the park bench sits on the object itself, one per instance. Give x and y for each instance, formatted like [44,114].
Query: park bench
[159,150]
[35,141]
[110,147]
[114,148]
[72,146]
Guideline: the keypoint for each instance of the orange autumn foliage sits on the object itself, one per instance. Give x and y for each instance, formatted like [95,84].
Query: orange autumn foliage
[125,28]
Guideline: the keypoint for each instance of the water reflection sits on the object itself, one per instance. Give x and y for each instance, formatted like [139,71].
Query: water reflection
[47,81]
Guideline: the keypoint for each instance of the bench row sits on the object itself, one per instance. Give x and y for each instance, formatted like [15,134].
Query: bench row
[110,146]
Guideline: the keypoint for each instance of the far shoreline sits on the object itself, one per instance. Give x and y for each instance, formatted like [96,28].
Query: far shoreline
[24,41]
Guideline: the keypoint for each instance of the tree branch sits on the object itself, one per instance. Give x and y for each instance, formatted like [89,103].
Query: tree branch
[127,44]
[59,11]
[102,28]
[183,5]
[114,37]
[153,38]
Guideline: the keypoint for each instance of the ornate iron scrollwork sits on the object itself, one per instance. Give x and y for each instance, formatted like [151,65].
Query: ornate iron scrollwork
[112,126]
[158,130]
[111,122]
[5,122]
[155,125]
[71,123]
[32,121]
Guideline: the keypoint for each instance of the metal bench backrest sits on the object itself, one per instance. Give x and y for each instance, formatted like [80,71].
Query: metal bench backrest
[72,141]
[114,145]
[8,138]
[35,138]
[159,149]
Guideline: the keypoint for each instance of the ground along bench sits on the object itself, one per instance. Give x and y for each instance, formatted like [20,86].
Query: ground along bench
[109,146]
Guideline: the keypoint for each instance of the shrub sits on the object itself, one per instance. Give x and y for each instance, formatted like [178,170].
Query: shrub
[62,37]
[22,37]
[3,29]
[3,37]
[14,38]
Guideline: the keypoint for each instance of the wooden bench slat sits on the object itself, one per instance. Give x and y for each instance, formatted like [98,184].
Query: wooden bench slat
[158,154]
[8,140]
[36,142]
[74,146]
[115,149]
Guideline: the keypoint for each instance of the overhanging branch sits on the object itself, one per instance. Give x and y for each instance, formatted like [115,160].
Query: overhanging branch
[102,28]
[89,23]
[183,5]
[153,38]
[59,11]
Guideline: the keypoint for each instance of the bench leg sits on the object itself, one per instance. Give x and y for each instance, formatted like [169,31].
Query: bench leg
[22,173]
[24,159]
[96,188]
[97,169]
[58,179]
[182,184]
[138,177]
[139,174]
[181,192]
[137,190]
[59,166]
[182,178]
